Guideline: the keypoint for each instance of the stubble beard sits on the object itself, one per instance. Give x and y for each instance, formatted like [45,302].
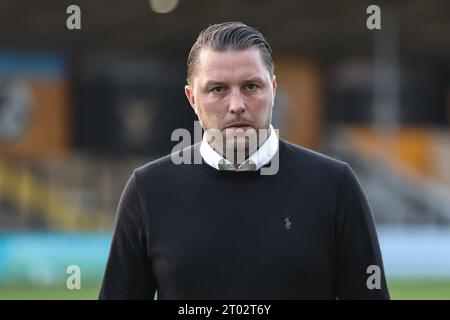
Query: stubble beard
[238,148]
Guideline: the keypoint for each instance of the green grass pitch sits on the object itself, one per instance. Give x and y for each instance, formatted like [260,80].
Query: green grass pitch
[399,290]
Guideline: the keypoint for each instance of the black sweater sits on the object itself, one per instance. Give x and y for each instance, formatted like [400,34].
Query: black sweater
[190,231]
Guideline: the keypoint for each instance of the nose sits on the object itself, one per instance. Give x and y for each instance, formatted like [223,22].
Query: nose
[237,105]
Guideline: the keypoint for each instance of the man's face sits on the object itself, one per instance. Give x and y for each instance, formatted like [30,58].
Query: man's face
[232,91]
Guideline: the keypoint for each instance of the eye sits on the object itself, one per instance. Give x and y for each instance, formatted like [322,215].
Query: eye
[251,86]
[217,89]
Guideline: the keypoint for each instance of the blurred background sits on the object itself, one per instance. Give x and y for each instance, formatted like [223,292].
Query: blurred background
[80,109]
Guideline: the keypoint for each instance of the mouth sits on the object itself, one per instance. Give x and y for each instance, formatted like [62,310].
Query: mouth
[238,125]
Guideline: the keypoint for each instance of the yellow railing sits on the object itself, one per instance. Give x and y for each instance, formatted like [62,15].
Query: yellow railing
[33,196]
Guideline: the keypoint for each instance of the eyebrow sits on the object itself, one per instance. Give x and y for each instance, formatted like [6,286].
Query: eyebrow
[254,79]
[211,83]
[214,83]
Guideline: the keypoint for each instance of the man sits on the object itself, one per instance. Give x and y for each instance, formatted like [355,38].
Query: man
[223,230]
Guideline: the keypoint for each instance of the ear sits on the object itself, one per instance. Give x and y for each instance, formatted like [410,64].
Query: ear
[189,92]
[274,87]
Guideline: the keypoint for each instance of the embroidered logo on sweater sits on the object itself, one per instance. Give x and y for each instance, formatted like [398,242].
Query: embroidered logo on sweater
[287,223]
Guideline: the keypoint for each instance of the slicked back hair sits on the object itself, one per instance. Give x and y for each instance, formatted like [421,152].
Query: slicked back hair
[229,36]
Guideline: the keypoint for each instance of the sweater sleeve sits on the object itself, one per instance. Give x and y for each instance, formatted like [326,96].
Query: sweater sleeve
[359,272]
[128,273]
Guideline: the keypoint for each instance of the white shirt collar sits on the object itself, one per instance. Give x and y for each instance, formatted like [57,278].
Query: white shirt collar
[260,157]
